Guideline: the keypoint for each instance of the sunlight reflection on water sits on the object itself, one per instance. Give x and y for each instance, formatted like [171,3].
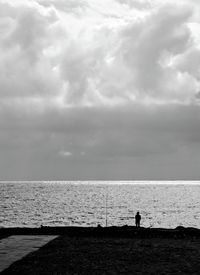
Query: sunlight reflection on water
[84,204]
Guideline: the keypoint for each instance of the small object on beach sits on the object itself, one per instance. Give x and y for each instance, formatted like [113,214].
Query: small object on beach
[137,219]
[98,226]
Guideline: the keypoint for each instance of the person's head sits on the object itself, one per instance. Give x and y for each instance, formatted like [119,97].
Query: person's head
[138,213]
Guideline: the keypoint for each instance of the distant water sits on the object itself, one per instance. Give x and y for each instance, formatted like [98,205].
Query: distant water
[32,204]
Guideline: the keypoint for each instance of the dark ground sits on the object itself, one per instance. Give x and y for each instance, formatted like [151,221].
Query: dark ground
[112,255]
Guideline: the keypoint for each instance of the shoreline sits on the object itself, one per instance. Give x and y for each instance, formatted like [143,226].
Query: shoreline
[112,231]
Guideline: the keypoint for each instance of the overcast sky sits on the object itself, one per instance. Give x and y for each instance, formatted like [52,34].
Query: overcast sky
[99,89]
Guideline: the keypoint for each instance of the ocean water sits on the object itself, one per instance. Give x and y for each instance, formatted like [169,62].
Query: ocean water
[161,204]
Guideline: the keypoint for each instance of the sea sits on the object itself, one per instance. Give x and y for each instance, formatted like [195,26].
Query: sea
[106,203]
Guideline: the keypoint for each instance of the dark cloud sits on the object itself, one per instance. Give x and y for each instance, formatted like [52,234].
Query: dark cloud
[114,136]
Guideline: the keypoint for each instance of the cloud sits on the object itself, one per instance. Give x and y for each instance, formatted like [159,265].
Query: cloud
[99,85]
[65,154]
[65,6]
[126,142]
[137,4]
[145,48]
[48,51]
[107,132]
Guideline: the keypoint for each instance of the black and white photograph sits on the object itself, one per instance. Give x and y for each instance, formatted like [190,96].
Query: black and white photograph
[99,137]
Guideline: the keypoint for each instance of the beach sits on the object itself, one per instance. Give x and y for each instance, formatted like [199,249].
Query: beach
[114,251]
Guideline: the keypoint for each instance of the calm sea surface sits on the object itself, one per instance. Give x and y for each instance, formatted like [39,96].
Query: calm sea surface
[34,204]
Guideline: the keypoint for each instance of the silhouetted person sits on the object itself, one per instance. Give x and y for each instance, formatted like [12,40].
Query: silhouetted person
[137,219]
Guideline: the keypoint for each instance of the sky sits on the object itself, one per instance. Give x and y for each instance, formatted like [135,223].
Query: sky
[99,90]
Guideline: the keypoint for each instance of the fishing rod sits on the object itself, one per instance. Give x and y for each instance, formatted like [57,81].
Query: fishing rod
[106,207]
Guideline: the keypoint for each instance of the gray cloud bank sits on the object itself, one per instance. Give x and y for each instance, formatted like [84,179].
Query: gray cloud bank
[99,89]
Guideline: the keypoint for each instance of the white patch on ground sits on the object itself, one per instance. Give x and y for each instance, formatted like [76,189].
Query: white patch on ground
[14,248]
